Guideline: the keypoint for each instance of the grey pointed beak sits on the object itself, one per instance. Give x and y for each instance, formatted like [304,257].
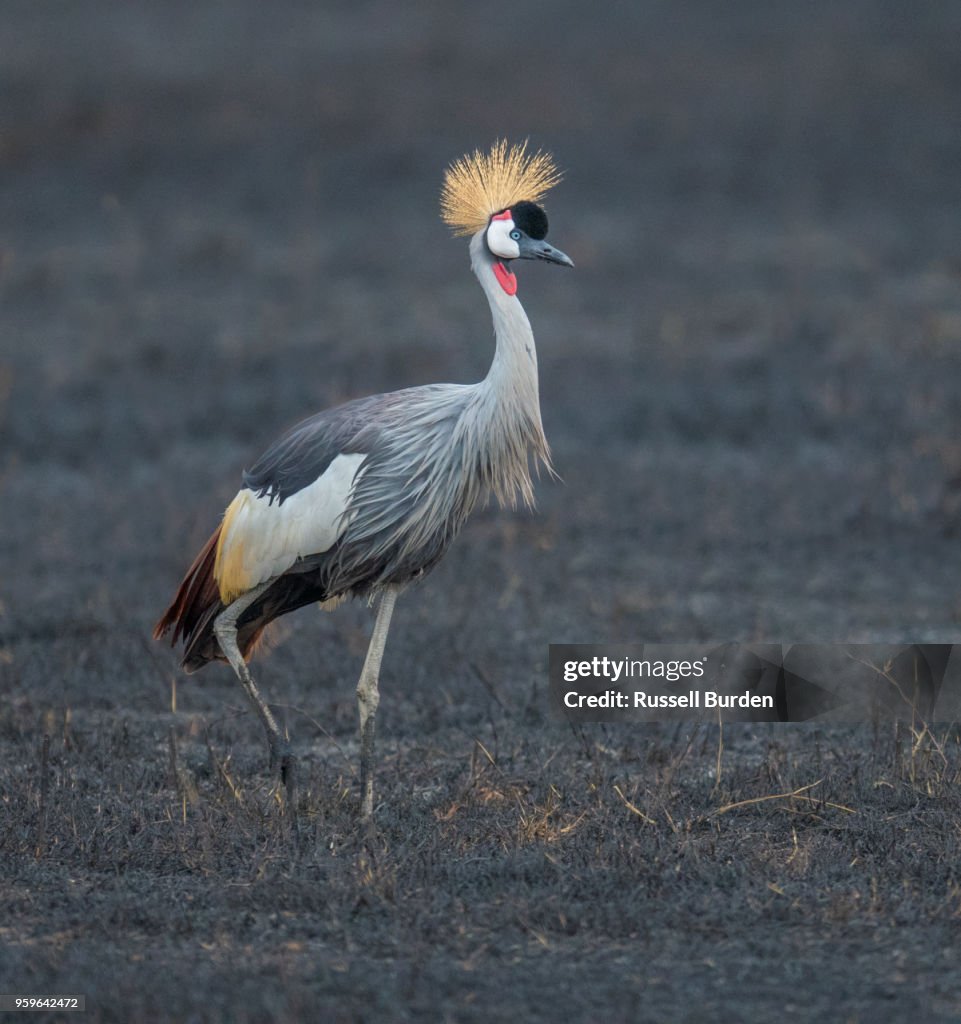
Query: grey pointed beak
[532,249]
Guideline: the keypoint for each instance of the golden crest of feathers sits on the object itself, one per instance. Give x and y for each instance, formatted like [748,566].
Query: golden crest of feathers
[485,183]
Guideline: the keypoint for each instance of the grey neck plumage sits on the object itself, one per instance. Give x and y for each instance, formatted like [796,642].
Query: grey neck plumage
[506,404]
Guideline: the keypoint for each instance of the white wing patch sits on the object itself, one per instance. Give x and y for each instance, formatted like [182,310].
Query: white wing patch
[260,540]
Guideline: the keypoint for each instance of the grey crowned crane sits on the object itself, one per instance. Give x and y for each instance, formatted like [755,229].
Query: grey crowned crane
[361,499]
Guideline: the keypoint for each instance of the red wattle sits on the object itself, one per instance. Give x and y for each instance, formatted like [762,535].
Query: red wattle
[505,278]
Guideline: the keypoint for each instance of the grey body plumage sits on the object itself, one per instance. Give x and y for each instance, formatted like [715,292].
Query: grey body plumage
[431,454]
[365,497]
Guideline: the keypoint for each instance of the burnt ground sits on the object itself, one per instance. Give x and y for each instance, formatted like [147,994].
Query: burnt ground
[217,218]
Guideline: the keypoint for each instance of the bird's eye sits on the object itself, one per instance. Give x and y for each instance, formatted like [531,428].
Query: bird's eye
[516,235]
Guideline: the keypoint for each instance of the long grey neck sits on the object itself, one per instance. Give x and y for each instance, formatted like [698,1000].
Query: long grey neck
[515,360]
[508,398]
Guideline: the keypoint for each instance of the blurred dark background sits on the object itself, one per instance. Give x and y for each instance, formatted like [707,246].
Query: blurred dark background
[217,218]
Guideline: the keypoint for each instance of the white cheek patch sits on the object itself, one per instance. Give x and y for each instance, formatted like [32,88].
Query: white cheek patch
[499,239]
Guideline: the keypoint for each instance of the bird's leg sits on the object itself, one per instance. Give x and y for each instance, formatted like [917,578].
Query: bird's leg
[225,629]
[368,698]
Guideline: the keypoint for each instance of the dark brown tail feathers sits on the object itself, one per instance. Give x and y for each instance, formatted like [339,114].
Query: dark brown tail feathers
[194,610]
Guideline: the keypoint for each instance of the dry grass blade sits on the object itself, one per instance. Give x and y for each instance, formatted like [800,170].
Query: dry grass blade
[44,790]
[486,752]
[222,772]
[633,808]
[796,794]
[720,752]
[180,777]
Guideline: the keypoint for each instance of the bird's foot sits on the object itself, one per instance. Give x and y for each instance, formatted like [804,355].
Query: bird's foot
[283,762]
